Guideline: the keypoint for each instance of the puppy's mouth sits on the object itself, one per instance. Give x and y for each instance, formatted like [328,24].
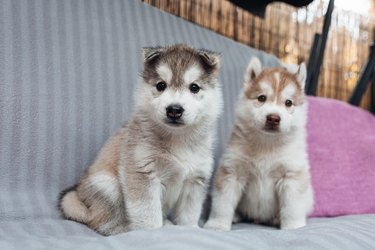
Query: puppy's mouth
[174,123]
[271,129]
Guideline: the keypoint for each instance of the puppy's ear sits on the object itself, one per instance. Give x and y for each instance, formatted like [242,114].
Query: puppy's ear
[301,75]
[210,60]
[152,54]
[290,67]
[253,70]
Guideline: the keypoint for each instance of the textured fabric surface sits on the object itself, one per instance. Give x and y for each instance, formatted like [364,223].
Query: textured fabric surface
[350,232]
[341,141]
[67,74]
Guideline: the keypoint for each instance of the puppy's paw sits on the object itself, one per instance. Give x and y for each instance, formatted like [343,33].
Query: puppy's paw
[217,225]
[186,222]
[293,224]
[167,222]
[145,226]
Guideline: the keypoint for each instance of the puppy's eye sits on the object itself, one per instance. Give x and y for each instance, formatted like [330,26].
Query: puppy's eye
[288,103]
[194,88]
[161,86]
[262,98]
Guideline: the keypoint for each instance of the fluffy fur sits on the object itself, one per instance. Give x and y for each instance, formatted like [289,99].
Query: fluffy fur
[158,165]
[264,173]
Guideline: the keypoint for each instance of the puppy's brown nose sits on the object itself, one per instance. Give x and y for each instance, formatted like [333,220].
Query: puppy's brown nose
[273,120]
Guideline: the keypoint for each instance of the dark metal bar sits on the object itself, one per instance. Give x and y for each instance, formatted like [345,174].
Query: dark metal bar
[320,54]
[364,79]
[312,61]
[372,108]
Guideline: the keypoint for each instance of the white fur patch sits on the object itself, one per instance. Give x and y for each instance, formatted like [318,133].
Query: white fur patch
[288,91]
[266,88]
[106,184]
[291,68]
[165,72]
[277,77]
[302,74]
[192,74]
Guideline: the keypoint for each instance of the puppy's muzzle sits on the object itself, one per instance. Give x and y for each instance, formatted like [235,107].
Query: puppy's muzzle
[174,112]
[272,122]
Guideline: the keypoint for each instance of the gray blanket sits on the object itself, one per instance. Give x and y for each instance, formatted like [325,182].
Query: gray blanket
[350,232]
[67,74]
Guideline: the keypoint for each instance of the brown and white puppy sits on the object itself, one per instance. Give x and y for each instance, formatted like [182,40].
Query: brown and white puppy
[158,165]
[264,173]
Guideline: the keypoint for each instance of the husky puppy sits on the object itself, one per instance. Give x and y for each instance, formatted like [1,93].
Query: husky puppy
[157,167]
[264,173]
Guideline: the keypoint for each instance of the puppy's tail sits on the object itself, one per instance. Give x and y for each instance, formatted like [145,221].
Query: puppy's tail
[72,208]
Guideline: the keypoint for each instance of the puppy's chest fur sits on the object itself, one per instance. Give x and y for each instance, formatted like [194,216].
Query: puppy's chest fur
[174,164]
[259,200]
[263,173]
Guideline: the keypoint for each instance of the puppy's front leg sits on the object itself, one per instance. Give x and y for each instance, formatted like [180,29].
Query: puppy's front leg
[296,199]
[189,205]
[142,196]
[225,197]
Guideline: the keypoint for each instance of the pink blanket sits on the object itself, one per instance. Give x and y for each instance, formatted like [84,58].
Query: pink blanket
[341,140]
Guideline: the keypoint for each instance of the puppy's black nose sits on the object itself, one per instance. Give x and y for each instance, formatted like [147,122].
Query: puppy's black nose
[273,120]
[174,112]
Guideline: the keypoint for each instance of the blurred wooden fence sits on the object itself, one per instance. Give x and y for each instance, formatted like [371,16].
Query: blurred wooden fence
[288,32]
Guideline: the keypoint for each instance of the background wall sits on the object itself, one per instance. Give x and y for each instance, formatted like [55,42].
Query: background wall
[288,32]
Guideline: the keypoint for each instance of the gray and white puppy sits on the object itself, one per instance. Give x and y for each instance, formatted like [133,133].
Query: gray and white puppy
[159,164]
